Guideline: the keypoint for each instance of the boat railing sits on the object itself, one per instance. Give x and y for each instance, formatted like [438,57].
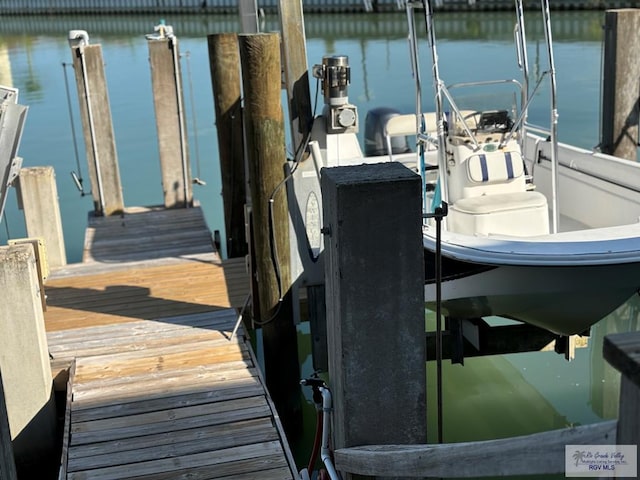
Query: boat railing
[442,92]
[537,129]
[485,82]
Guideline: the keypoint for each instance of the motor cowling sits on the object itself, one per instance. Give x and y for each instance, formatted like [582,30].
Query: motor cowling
[374,140]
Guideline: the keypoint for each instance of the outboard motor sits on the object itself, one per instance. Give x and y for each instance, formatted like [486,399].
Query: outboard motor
[374,141]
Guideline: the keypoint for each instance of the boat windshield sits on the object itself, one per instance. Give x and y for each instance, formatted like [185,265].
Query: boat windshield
[485,107]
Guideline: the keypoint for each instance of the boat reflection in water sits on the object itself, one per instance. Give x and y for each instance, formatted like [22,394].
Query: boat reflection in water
[516,394]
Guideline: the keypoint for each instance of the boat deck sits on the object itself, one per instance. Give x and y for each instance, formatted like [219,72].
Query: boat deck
[158,386]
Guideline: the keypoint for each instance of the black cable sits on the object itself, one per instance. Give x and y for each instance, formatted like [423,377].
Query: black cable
[273,248]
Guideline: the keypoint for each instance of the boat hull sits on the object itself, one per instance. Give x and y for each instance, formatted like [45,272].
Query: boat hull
[564,299]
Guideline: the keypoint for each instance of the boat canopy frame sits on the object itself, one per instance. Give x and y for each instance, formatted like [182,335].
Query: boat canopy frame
[442,92]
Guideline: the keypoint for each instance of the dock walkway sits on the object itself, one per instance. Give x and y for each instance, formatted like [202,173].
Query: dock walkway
[157,386]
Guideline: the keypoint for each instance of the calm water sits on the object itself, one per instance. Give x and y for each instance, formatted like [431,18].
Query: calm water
[488,397]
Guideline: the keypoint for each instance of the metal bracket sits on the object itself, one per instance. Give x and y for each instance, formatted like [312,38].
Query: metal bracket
[12,118]
[14,170]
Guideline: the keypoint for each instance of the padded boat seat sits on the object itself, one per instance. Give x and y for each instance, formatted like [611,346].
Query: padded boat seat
[486,173]
[495,167]
[515,213]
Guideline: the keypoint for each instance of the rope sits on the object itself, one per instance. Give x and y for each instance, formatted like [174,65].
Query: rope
[197,180]
[73,133]
[598,147]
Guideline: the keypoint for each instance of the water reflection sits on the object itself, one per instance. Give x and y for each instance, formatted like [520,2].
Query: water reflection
[485,26]
[524,393]
[517,394]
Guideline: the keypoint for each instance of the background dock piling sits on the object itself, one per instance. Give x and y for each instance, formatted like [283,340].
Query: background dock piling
[97,125]
[224,63]
[168,100]
[621,83]
[39,201]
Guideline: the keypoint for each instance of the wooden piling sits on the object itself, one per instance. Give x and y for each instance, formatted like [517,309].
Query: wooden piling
[248,12]
[296,73]
[7,463]
[98,129]
[621,84]
[265,140]
[168,100]
[374,273]
[26,373]
[38,196]
[224,63]
[296,78]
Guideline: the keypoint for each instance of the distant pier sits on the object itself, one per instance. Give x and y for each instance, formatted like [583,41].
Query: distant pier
[65,7]
[584,25]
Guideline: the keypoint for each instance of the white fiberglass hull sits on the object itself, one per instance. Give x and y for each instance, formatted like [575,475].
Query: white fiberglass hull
[563,283]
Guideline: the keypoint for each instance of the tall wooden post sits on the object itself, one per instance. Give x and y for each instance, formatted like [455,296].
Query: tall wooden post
[374,274]
[98,129]
[7,463]
[296,77]
[26,373]
[39,200]
[296,73]
[264,121]
[621,84]
[224,62]
[168,99]
[248,10]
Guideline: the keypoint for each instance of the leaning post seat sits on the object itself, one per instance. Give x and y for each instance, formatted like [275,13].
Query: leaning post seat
[488,194]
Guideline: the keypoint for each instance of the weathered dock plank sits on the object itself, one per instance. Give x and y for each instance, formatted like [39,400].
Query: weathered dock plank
[174,420]
[228,390]
[232,458]
[189,399]
[160,388]
[166,445]
[142,233]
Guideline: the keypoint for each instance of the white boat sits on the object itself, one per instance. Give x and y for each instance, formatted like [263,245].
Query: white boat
[535,230]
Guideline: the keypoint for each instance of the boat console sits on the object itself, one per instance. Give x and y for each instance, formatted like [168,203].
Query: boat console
[487,188]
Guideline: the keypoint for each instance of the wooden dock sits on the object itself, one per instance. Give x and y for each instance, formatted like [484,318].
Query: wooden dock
[158,387]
